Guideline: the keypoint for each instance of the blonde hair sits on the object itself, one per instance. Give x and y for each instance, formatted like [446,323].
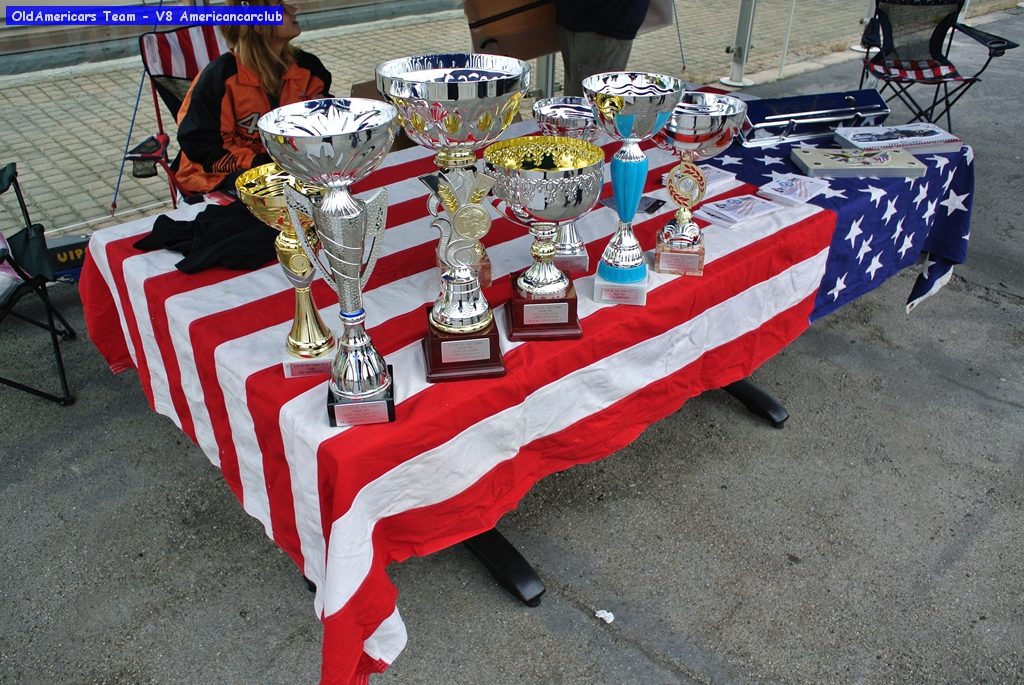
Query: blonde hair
[251,45]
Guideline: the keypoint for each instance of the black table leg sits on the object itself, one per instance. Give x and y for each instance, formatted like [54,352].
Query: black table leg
[507,566]
[758,402]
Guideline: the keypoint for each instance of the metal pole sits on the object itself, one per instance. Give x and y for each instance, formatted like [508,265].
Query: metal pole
[864,22]
[741,48]
[546,75]
[785,42]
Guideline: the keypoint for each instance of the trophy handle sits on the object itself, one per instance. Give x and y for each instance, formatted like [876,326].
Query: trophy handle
[376,216]
[297,202]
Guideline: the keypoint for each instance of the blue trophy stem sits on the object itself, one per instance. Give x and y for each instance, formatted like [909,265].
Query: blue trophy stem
[629,173]
[623,258]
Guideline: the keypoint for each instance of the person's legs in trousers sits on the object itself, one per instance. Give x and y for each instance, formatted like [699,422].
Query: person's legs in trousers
[585,54]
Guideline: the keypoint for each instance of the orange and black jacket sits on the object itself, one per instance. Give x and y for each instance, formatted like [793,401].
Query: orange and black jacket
[217,128]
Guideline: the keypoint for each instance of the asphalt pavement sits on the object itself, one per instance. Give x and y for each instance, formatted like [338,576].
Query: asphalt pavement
[874,539]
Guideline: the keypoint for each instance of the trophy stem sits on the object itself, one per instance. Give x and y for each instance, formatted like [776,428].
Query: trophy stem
[543,278]
[358,371]
[623,259]
[309,336]
[568,242]
[461,306]
[629,174]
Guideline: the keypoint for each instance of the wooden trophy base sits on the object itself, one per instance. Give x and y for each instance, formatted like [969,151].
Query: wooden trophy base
[461,356]
[345,412]
[543,318]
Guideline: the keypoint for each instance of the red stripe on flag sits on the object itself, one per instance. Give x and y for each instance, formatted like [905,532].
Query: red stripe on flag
[213,49]
[163,45]
[188,54]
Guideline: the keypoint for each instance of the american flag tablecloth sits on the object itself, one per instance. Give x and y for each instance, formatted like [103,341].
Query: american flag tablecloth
[344,503]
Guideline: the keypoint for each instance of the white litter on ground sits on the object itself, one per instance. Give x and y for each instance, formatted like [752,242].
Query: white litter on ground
[604,615]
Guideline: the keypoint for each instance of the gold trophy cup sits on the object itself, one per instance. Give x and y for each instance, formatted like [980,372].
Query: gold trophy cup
[309,341]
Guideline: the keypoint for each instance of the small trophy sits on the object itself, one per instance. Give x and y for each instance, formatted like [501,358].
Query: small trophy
[545,181]
[332,143]
[571,117]
[309,341]
[630,107]
[702,126]
[456,104]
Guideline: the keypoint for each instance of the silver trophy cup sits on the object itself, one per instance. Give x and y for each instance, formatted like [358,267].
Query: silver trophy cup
[456,104]
[571,117]
[702,125]
[630,107]
[333,143]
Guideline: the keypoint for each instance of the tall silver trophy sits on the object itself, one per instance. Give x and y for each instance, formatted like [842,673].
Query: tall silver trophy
[631,107]
[332,143]
[702,126]
[456,104]
[572,117]
[544,182]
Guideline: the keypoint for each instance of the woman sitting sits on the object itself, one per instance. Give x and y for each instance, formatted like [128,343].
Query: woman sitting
[217,128]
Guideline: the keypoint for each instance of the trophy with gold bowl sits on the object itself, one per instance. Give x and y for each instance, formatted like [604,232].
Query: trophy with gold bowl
[702,126]
[544,182]
[456,104]
[309,342]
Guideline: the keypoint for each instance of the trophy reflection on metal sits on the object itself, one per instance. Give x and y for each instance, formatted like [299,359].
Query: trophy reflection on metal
[309,341]
[630,107]
[545,181]
[456,104]
[572,117]
[332,143]
[702,126]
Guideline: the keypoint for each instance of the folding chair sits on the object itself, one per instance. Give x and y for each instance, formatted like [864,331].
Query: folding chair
[913,39]
[25,270]
[172,59]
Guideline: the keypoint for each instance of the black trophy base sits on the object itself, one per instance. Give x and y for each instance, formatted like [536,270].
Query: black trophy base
[345,412]
[462,356]
[543,318]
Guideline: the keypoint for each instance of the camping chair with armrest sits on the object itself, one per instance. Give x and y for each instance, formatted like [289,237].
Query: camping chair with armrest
[172,59]
[913,39]
[25,270]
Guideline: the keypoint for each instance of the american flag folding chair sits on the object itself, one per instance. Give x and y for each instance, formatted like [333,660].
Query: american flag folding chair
[172,59]
[908,45]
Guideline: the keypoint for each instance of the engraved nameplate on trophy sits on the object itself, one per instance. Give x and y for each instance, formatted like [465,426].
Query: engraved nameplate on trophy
[620,293]
[680,261]
[544,314]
